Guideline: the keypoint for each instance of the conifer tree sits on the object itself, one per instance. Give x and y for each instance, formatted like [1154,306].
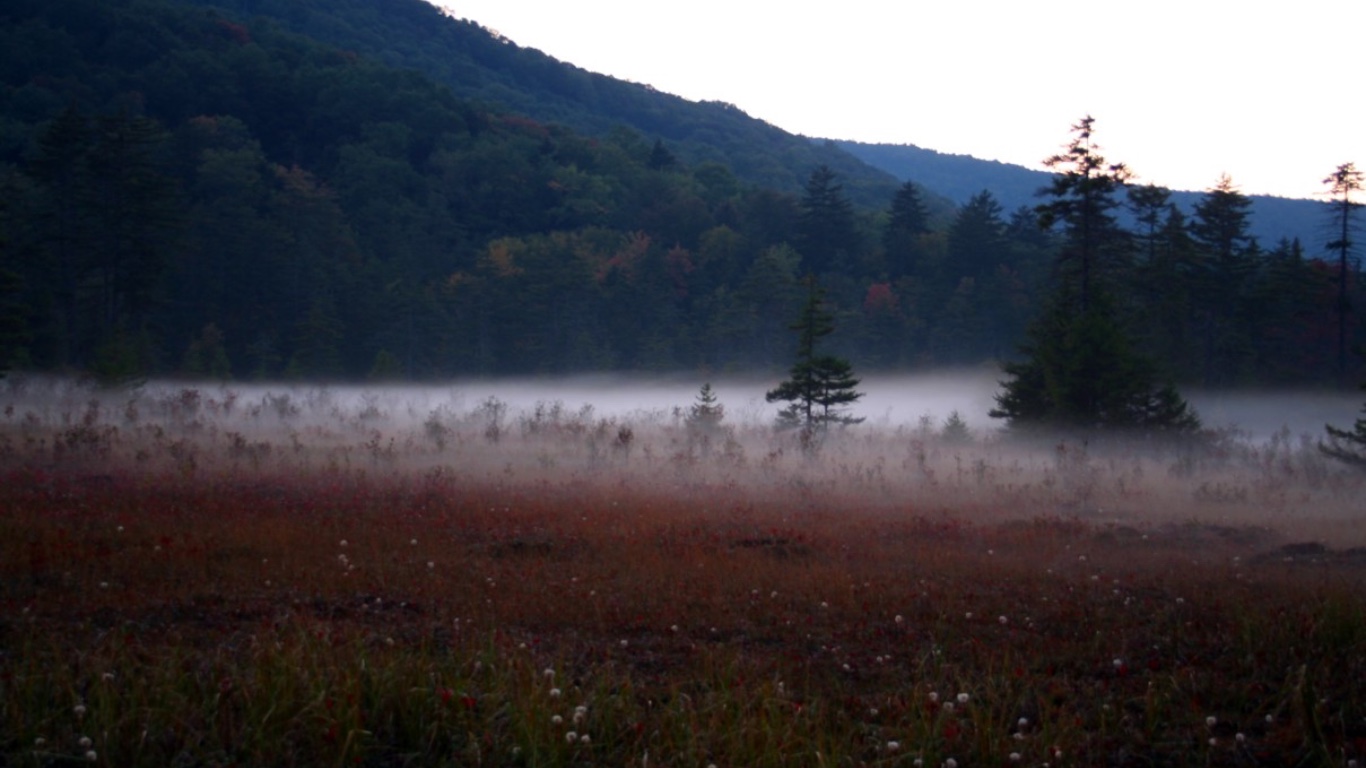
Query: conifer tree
[707,412]
[1348,446]
[1080,370]
[1344,181]
[826,232]
[1083,197]
[1226,263]
[907,222]
[820,387]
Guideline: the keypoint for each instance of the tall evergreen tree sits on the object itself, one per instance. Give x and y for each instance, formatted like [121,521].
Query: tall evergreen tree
[1164,294]
[907,222]
[64,233]
[1081,372]
[1080,369]
[1343,182]
[1083,196]
[1220,231]
[977,238]
[138,217]
[1149,204]
[826,233]
[819,388]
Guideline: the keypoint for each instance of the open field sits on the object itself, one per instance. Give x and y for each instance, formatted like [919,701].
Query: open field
[207,576]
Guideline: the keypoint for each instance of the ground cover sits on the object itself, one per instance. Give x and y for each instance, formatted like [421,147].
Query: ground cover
[193,577]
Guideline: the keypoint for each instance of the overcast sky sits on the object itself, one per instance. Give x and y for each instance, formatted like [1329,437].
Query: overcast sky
[1270,93]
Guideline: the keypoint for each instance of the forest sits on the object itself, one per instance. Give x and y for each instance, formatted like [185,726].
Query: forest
[202,193]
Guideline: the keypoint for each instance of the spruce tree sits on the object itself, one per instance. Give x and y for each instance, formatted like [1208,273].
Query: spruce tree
[907,223]
[1348,446]
[826,231]
[1080,369]
[1083,197]
[1345,180]
[819,388]
[1227,260]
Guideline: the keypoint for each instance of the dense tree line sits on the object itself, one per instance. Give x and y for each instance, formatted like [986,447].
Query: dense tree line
[188,193]
[479,65]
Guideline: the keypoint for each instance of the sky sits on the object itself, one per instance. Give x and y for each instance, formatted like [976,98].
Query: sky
[1182,92]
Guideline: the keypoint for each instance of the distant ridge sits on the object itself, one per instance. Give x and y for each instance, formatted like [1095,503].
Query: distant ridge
[482,65]
[959,177]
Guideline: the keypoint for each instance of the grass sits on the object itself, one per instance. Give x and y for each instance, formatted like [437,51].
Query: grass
[200,578]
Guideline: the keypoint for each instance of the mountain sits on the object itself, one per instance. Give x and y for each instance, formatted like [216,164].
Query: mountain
[481,66]
[199,189]
[959,177]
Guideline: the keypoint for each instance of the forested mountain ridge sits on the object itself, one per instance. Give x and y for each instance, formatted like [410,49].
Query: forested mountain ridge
[478,65]
[189,191]
[959,177]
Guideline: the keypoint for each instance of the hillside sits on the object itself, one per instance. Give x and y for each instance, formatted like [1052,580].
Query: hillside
[959,177]
[479,66]
[191,191]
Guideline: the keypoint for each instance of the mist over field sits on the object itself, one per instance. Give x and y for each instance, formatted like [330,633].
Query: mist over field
[1259,464]
[551,562]
[890,401]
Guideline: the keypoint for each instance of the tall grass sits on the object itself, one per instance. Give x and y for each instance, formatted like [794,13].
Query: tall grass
[197,577]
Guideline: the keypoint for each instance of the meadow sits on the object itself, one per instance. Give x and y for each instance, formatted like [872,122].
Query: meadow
[217,575]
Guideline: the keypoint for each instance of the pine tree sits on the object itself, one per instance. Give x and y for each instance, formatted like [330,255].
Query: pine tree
[976,238]
[820,387]
[1220,231]
[1080,370]
[1345,180]
[706,414]
[1348,446]
[826,234]
[1083,193]
[907,222]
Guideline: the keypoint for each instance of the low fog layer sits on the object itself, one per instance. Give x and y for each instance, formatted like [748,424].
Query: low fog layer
[622,433]
[889,401]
